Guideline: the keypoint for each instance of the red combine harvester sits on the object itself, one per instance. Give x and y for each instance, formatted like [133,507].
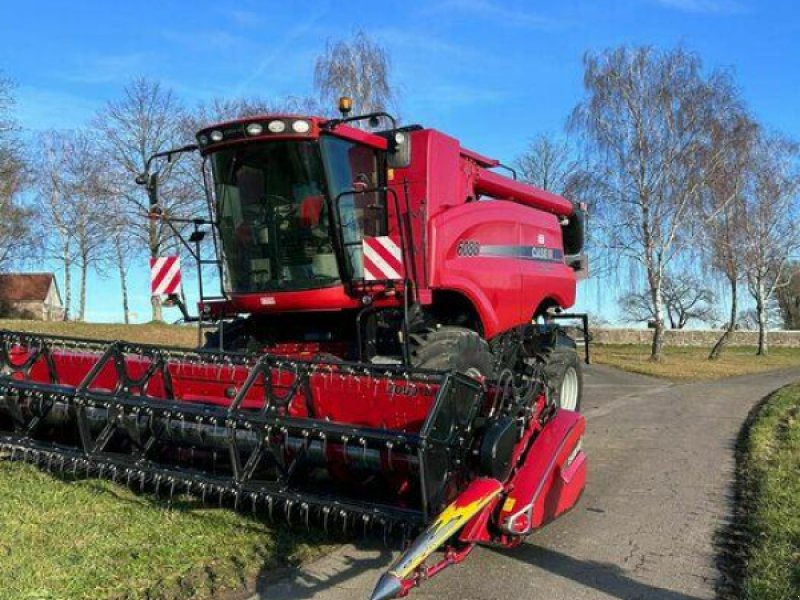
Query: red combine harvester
[384,356]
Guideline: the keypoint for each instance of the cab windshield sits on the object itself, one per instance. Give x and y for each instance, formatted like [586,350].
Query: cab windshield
[273,202]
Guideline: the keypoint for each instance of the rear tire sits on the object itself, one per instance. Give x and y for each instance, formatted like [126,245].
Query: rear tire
[564,376]
[452,349]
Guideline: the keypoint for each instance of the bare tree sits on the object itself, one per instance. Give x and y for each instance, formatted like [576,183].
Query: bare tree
[15,217]
[73,196]
[55,223]
[646,123]
[788,297]
[548,163]
[145,120]
[770,224]
[733,137]
[88,207]
[359,68]
[685,299]
[122,247]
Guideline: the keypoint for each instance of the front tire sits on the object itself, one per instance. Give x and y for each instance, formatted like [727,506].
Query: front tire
[452,349]
[564,375]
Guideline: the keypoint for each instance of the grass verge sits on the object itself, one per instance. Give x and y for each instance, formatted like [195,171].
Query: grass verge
[63,539]
[146,333]
[691,363]
[769,497]
[87,539]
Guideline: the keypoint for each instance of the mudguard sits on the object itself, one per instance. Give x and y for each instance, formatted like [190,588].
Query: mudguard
[551,479]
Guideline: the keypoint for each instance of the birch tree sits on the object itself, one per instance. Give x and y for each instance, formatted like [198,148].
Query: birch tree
[771,232]
[359,68]
[55,223]
[724,214]
[75,216]
[788,298]
[88,208]
[646,124]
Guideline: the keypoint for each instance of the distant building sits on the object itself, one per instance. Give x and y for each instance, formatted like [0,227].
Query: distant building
[33,295]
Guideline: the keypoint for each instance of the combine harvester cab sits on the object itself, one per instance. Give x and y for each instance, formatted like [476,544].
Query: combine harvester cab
[384,359]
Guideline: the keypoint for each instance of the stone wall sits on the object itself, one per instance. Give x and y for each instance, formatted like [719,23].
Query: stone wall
[693,337]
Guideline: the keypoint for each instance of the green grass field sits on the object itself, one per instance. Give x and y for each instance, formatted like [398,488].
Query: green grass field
[88,539]
[64,539]
[692,364]
[770,488]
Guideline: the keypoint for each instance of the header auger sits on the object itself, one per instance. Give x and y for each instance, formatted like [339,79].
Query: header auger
[382,358]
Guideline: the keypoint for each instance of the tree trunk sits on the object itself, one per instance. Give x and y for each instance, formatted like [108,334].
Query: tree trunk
[84,273]
[67,287]
[761,312]
[657,350]
[722,342]
[123,278]
[125,306]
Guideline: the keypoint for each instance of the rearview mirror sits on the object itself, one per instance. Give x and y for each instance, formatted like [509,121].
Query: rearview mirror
[150,181]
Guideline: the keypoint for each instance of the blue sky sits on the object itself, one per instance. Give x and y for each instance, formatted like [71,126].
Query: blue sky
[493,73]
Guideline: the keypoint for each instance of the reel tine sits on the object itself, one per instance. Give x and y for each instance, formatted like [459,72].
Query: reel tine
[253,502]
[270,503]
[288,511]
[365,520]
[326,511]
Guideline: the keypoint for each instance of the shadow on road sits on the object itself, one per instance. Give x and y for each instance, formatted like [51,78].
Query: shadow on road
[306,581]
[603,577]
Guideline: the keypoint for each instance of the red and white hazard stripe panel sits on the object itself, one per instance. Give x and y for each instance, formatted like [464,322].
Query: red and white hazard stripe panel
[383,259]
[165,275]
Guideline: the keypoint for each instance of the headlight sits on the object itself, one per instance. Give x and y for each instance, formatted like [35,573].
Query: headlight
[216,135]
[276,126]
[301,126]
[254,129]
[203,139]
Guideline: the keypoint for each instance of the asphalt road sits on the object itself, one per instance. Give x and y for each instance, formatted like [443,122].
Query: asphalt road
[660,473]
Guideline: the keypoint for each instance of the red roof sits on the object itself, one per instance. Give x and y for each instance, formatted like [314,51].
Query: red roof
[25,287]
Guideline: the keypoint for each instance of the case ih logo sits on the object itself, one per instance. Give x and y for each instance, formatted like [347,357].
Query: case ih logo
[165,275]
[383,259]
